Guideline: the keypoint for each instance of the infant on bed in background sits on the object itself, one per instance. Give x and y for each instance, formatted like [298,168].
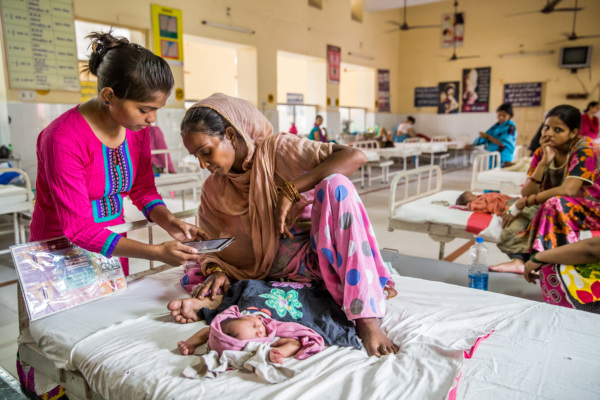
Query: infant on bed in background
[493,203]
[232,330]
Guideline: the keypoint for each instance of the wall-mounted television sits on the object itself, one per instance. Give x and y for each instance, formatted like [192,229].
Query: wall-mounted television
[575,57]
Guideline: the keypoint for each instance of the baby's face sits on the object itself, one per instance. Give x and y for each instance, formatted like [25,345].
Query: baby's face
[248,327]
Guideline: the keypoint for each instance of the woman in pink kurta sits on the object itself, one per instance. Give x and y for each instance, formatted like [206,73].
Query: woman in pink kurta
[81,183]
[93,155]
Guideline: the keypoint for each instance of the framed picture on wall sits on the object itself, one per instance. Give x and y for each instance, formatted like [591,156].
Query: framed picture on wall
[449,95]
[334,59]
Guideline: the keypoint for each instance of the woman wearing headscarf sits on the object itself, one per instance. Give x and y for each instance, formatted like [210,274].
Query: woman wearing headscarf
[292,210]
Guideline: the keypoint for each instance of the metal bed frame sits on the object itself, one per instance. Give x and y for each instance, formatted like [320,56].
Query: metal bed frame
[16,209]
[419,183]
[491,162]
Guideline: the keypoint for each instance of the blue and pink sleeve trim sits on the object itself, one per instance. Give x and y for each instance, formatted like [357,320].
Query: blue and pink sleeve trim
[148,207]
[110,244]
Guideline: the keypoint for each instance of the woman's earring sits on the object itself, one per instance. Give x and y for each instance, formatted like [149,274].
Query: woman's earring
[107,102]
[233,144]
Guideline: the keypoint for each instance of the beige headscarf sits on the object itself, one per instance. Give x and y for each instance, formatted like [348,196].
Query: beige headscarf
[243,205]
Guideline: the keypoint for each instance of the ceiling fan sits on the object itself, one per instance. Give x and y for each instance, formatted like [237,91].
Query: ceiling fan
[573,36]
[405,27]
[454,56]
[549,9]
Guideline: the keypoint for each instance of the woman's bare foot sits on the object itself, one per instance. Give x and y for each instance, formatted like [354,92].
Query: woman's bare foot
[375,341]
[186,348]
[515,266]
[186,310]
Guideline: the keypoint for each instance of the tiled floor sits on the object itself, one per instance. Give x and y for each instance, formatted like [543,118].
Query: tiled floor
[375,200]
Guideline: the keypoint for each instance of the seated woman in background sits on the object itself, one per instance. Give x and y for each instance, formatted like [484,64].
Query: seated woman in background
[589,121]
[502,136]
[404,130]
[569,275]
[293,212]
[561,196]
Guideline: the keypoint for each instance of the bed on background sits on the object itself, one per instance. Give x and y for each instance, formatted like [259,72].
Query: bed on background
[417,203]
[488,174]
[455,342]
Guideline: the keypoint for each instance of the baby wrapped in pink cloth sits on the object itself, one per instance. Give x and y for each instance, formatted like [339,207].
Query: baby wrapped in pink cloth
[295,339]
[232,330]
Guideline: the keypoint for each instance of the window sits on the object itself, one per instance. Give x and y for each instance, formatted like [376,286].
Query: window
[303,116]
[84,28]
[353,119]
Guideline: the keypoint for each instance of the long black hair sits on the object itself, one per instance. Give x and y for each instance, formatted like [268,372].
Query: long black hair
[568,114]
[205,120]
[590,105]
[133,72]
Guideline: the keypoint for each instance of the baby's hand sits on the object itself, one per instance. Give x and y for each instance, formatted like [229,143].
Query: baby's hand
[276,356]
[186,348]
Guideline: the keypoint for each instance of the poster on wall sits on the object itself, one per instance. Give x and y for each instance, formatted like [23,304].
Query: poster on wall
[334,59]
[39,44]
[476,89]
[167,33]
[523,94]
[383,92]
[427,96]
[448,101]
[452,32]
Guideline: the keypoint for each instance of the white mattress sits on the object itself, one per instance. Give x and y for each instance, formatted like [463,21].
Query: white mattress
[11,194]
[422,211]
[498,176]
[535,350]
[389,152]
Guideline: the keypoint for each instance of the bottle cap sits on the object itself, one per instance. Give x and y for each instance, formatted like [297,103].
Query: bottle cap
[479,240]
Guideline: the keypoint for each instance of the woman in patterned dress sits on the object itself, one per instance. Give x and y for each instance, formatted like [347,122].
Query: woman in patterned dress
[561,196]
[292,210]
[569,275]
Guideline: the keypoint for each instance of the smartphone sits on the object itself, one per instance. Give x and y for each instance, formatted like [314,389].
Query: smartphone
[210,246]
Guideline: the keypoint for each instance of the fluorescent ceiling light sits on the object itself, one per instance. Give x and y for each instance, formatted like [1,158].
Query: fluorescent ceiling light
[527,53]
[360,56]
[230,27]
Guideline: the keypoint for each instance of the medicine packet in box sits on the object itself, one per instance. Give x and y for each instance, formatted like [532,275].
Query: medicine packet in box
[56,275]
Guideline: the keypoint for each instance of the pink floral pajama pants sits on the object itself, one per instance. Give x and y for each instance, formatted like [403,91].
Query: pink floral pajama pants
[343,252]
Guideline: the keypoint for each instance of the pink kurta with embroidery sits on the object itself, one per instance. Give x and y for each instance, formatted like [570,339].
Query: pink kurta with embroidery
[81,183]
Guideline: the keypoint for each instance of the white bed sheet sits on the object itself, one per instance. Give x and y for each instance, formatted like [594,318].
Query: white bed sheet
[11,194]
[423,211]
[498,176]
[536,349]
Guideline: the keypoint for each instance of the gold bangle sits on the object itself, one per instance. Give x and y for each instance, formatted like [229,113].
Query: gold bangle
[210,270]
[286,193]
[294,192]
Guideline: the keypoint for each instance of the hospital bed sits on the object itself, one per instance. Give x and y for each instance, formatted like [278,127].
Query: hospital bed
[371,150]
[179,182]
[15,200]
[488,175]
[418,204]
[125,347]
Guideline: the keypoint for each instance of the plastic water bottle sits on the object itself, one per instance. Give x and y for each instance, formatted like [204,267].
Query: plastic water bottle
[478,265]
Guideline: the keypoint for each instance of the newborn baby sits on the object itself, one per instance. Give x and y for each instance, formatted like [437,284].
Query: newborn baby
[232,330]
[493,203]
